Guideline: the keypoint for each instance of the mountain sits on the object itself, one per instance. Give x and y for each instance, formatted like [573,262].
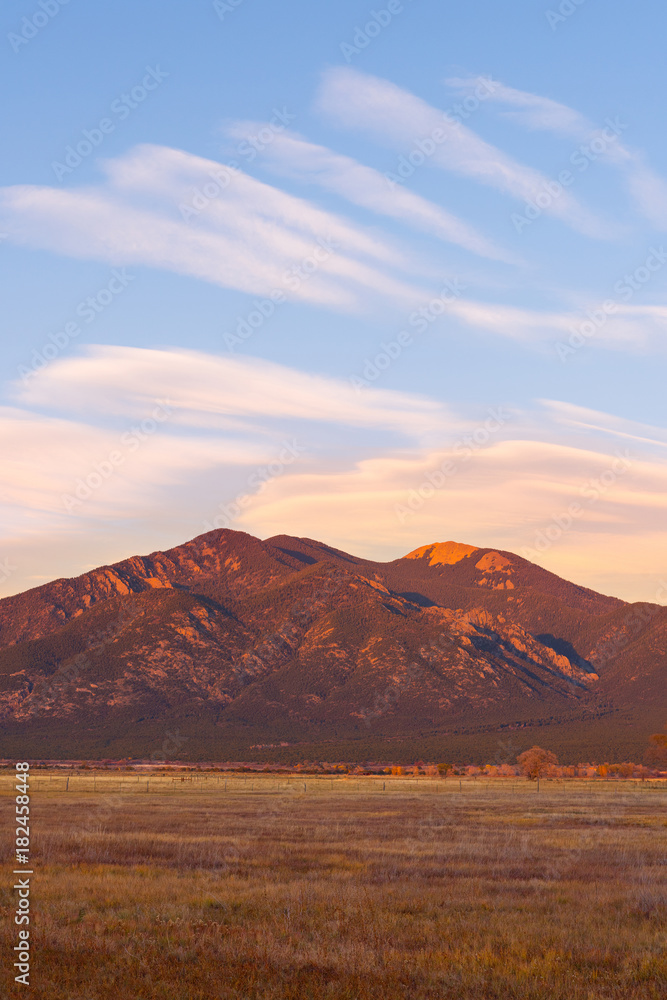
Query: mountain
[227,642]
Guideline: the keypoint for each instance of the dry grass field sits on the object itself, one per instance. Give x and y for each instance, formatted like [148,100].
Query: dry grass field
[266,888]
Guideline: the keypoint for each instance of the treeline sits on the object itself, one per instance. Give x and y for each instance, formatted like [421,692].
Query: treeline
[422,769]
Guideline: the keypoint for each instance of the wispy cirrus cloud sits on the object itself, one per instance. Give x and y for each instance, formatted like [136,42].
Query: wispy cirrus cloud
[291,155]
[649,191]
[569,414]
[634,328]
[168,209]
[45,455]
[202,388]
[396,117]
[533,111]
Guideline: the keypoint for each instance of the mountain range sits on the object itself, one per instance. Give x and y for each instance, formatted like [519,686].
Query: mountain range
[229,647]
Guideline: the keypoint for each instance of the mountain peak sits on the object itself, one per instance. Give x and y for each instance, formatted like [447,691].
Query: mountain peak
[442,553]
[240,640]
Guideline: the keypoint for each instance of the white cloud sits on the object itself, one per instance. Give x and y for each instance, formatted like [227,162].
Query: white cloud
[44,457]
[171,210]
[647,188]
[546,115]
[526,325]
[634,328]
[202,387]
[650,193]
[293,156]
[630,327]
[540,113]
[391,114]
[605,423]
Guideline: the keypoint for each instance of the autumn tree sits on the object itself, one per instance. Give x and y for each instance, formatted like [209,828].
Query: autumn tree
[506,770]
[536,762]
[656,755]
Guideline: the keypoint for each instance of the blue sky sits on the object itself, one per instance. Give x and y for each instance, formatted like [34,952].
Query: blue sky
[380,275]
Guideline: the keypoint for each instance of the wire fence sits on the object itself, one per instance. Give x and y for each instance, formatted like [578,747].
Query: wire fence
[84,783]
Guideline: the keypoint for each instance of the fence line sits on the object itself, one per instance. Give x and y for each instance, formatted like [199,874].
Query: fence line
[101,783]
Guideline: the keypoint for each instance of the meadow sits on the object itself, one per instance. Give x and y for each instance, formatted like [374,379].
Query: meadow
[268,887]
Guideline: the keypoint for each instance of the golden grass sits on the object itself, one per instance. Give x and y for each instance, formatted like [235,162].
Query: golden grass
[267,892]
